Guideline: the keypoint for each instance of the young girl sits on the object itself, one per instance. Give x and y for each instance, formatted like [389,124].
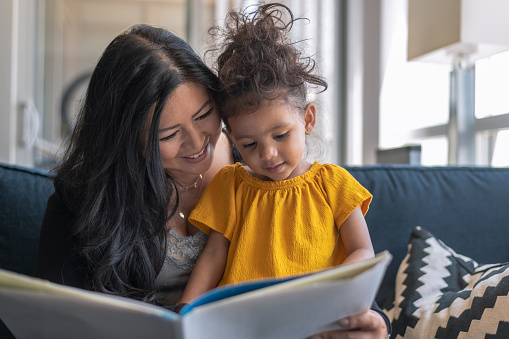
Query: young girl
[279,215]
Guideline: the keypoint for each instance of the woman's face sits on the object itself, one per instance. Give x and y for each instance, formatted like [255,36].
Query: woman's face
[188,132]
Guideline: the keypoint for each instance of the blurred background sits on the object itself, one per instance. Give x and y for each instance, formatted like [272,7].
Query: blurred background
[396,95]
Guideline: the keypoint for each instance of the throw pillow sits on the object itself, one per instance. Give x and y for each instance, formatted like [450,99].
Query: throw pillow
[442,294]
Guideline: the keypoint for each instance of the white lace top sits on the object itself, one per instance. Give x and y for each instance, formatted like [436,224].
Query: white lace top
[183,251]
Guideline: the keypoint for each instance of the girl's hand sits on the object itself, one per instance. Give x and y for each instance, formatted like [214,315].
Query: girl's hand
[365,325]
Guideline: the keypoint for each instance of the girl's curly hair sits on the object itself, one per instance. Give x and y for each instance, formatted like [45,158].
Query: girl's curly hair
[258,62]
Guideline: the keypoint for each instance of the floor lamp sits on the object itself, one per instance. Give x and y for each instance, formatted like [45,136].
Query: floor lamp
[458,32]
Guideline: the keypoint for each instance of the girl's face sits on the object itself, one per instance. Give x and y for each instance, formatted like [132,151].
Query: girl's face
[271,140]
[188,132]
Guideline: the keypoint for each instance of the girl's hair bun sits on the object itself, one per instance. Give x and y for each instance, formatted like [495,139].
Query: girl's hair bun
[258,61]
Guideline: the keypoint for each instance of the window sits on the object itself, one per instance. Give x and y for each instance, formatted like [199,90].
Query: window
[414,100]
[492,109]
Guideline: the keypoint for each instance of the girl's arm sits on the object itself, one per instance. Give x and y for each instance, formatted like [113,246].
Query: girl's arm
[209,268]
[355,235]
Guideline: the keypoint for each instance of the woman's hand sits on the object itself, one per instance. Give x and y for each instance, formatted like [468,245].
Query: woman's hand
[369,324]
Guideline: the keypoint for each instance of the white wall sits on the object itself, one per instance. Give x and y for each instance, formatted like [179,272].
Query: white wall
[362,81]
[17,77]
[8,68]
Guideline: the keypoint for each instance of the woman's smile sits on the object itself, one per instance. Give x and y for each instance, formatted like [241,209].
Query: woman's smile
[196,155]
[200,156]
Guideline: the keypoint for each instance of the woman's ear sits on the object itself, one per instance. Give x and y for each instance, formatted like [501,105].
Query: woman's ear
[309,118]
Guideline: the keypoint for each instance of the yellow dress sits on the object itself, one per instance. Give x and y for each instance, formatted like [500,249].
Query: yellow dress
[279,228]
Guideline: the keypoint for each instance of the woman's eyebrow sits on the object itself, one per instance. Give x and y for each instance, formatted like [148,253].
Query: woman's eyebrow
[194,115]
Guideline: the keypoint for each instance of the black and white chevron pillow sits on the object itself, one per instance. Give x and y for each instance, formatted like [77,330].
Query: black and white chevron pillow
[442,294]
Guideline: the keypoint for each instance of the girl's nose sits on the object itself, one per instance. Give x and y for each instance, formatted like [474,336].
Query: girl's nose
[267,152]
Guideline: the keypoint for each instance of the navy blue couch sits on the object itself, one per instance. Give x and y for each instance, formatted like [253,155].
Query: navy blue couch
[466,207]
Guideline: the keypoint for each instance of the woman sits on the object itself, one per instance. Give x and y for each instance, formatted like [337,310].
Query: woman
[147,142]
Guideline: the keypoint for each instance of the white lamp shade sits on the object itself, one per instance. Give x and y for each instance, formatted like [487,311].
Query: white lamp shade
[441,30]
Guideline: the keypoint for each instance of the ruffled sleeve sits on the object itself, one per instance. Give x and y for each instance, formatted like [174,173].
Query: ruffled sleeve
[344,193]
[216,208]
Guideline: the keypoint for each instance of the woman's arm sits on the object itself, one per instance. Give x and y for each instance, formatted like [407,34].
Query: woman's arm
[355,236]
[55,260]
[209,268]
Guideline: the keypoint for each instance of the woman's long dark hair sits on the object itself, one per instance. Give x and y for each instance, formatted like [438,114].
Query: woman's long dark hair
[121,197]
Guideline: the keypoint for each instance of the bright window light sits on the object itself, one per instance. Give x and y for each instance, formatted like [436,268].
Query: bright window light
[434,151]
[492,85]
[500,153]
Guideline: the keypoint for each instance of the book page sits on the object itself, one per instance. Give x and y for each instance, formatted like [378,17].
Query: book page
[297,308]
[249,289]
[35,308]
[21,282]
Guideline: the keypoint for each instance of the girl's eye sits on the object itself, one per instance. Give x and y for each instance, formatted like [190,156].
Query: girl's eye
[282,136]
[204,115]
[171,136]
[251,144]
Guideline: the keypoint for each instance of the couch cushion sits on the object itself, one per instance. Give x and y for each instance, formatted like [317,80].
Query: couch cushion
[442,294]
[23,196]
[463,206]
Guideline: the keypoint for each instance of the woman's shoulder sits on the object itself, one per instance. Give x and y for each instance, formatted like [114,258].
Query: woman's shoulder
[57,204]
[55,257]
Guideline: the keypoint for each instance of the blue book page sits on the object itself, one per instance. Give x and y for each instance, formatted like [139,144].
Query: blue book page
[228,291]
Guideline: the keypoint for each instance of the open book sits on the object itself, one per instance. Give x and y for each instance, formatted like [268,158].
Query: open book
[296,307]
